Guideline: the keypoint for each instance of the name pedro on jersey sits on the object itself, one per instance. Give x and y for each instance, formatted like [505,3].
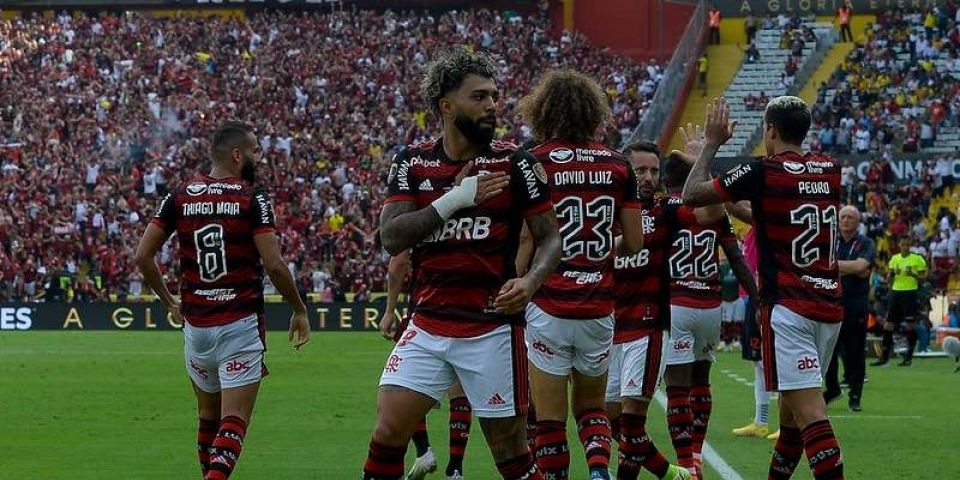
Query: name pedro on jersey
[581,177]
[211,208]
[814,188]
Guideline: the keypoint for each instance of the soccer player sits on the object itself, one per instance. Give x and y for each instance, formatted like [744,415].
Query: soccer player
[570,320]
[460,203]
[640,311]
[750,337]
[905,271]
[225,228]
[695,313]
[795,201]
[460,417]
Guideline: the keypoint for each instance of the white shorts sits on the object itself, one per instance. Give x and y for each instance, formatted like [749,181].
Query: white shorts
[636,367]
[796,350]
[694,334]
[557,345]
[734,311]
[491,368]
[225,356]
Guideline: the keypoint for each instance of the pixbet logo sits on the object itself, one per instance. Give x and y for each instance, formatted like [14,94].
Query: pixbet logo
[542,348]
[807,363]
[12,318]
[235,366]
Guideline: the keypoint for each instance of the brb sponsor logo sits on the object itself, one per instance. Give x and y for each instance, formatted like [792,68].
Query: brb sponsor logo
[237,367]
[12,318]
[542,348]
[467,228]
[808,363]
[393,364]
[683,345]
[637,260]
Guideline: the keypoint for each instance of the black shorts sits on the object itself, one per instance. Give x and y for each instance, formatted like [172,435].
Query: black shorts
[750,334]
[903,307]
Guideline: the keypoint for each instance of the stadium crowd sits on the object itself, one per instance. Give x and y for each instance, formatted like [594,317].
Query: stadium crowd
[100,115]
[894,94]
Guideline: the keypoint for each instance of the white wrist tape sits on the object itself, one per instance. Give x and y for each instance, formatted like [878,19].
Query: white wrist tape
[459,197]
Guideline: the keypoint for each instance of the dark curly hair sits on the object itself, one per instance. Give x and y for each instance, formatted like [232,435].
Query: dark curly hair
[447,71]
[565,105]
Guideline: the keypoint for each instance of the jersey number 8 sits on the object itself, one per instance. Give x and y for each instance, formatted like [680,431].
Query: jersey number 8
[211,253]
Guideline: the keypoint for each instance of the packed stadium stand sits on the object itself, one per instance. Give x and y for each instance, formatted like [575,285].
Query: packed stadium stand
[102,114]
[774,68]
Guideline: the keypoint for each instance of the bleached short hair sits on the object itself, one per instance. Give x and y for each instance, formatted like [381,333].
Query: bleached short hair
[790,117]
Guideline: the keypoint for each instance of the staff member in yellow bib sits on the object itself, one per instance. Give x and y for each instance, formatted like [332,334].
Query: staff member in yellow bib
[905,271]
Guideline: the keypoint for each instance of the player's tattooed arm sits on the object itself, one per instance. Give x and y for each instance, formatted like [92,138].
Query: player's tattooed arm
[524,251]
[699,190]
[546,237]
[515,294]
[402,226]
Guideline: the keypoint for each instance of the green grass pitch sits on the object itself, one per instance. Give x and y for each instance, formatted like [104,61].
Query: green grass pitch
[95,405]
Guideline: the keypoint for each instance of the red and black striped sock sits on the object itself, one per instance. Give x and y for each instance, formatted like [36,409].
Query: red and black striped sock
[206,433]
[384,462]
[594,430]
[823,451]
[786,454]
[421,441]
[531,429]
[460,419]
[226,448]
[637,450]
[701,403]
[519,468]
[615,429]
[680,423]
[553,453]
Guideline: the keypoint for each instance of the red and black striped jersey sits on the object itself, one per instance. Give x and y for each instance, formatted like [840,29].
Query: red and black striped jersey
[458,269]
[221,278]
[589,185]
[641,280]
[796,201]
[694,260]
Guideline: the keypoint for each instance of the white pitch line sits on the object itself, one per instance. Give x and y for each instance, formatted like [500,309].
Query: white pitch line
[86,352]
[713,458]
[881,417]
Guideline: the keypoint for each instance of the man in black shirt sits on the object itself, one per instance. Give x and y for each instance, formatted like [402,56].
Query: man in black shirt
[855,253]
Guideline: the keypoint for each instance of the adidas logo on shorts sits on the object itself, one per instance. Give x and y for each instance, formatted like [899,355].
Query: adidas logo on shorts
[496,400]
